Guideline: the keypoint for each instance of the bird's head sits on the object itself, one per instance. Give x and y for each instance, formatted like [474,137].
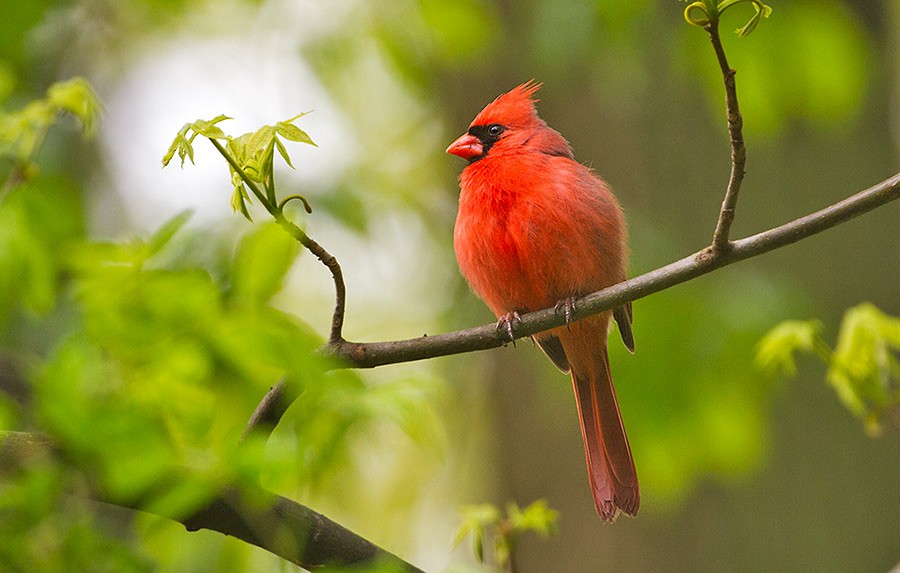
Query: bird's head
[509,124]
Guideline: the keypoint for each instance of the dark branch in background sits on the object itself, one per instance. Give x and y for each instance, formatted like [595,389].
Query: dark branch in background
[269,411]
[735,132]
[283,527]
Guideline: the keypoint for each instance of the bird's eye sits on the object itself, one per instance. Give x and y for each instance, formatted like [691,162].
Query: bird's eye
[494,130]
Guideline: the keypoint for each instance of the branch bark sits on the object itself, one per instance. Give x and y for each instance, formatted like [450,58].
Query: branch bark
[371,354]
[269,410]
[277,524]
[720,240]
[340,292]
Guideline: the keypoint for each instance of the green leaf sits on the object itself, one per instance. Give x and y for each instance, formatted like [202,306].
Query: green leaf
[165,233]
[262,261]
[696,14]
[77,97]
[239,197]
[208,128]
[23,132]
[283,152]
[702,12]
[484,513]
[184,145]
[775,353]
[761,12]
[537,517]
[475,519]
[864,371]
[291,132]
[180,145]
[503,548]
[255,152]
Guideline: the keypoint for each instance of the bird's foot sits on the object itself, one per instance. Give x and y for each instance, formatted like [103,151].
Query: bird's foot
[507,322]
[567,306]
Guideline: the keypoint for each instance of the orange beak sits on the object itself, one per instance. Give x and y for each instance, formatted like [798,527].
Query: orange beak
[466,146]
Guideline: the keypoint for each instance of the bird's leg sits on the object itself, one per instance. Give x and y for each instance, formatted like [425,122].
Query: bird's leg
[506,322]
[566,305]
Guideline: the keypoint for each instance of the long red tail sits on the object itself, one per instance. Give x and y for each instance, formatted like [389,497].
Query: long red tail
[614,480]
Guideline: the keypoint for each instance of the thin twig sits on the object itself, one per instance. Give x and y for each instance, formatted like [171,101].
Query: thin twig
[340,291]
[15,178]
[738,151]
[275,403]
[371,354]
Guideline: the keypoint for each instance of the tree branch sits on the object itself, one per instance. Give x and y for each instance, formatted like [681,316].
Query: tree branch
[340,292]
[279,525]
[277,212]
[269,410]
[371,354]
[738,151]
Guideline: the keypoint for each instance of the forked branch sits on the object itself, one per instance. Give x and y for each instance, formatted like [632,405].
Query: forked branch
[369,355]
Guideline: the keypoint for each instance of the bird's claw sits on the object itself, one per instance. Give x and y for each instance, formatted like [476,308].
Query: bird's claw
[567,306]
[506,323]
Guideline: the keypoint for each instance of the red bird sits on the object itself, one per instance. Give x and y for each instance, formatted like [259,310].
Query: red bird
[536,229]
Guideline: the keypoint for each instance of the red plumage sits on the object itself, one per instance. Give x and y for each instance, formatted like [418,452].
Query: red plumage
[534,228]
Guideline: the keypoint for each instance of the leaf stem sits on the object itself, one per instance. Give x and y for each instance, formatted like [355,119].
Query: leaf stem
[249,182]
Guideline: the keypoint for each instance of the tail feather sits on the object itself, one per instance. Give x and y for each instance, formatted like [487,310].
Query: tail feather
[610,465]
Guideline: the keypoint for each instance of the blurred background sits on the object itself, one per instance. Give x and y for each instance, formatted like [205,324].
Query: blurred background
[739,471]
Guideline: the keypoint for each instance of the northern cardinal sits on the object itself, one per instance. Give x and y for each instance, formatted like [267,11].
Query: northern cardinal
[537,229]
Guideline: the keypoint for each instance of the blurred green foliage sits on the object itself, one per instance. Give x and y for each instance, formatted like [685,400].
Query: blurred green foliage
[821,76]
[486,525]
[22,133]
[39,222]
[140,359]
[147,373]
[689,399]
[862,368]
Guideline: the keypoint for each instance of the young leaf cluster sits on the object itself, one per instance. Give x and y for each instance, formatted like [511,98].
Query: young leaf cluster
[863,367]
[250,157]
[703,13]
[22,132]
[485,523]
